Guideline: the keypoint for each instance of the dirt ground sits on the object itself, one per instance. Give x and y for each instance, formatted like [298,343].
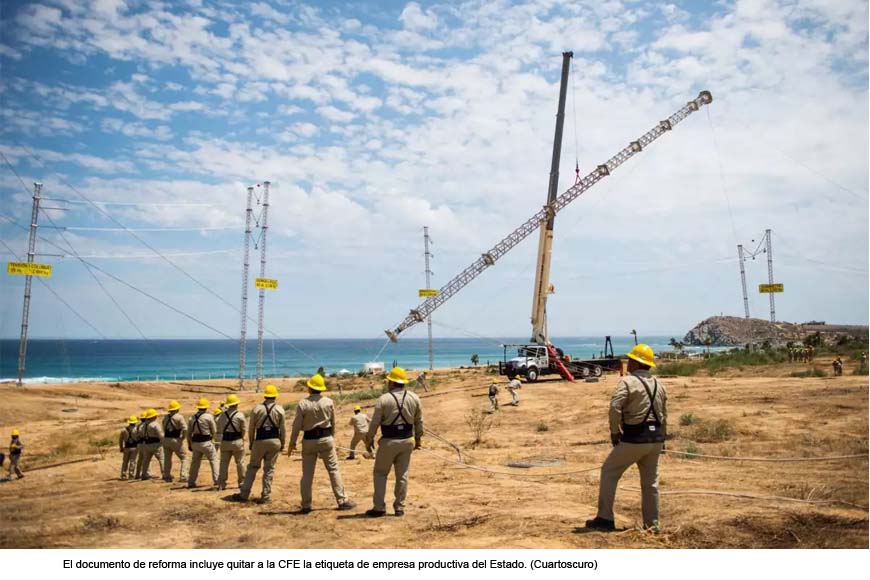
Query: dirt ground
[84,505]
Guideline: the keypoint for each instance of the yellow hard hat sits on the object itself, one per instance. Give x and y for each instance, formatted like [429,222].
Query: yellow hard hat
[317,383]
[357,408]
[16,433]
[173,406]
[643,354]
[398,375]
[217,411]
[132,420]
[232,400]
[202,403]
[270,392]
[494,381]
[150,413]
[142,415]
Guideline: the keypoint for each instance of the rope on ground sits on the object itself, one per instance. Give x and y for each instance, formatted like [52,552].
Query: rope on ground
[446,442]
[769,459]
[745,495]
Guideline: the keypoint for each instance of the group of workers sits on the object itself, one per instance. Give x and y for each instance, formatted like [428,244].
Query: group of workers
[513,386]
[803,354]
[220,436]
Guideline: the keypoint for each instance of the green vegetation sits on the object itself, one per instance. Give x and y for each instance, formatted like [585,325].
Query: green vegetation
[717,362]
[688,419]
[542,427]
[712,430]
[692,448]
[475,359]
[361,395]
[813,372]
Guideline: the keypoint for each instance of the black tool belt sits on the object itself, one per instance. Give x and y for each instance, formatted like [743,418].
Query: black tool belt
[267,432]
[317,433]
[402,431]
[128,444]
[152,440]
[649,432]
[232,436]
[15,452]
[172,434]
[200,438]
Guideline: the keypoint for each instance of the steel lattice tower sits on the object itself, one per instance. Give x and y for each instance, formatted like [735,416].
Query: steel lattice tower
[740,258]
[426,242]
[28,282]
[249,214]
[264,228]
[770,272]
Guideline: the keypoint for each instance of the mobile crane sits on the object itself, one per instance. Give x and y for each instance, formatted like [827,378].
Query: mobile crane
[541,357]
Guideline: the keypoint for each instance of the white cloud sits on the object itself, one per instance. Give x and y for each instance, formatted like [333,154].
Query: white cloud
[414,17]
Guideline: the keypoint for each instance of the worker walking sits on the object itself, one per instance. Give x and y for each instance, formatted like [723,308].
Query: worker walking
[423,381]
[360,423]
[638,425]
[513,386]
[140,445]
[16,446]
[399,415]
[266,438]
[152,448]
[231,427]
[863,361]
[127,447]
[493,396]
[174,441]
[838,366]
[315,417]
[201,431]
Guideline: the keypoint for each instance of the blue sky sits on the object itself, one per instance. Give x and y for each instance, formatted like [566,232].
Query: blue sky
[372,120]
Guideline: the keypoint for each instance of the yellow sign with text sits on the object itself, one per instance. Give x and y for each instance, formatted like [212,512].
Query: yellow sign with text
[28,269]
[267,283]
[770,288]
[427,292]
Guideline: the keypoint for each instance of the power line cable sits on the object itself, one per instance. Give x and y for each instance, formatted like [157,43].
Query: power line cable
[721,174]
[131,203]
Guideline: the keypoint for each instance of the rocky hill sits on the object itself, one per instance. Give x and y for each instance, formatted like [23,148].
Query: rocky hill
[736,331]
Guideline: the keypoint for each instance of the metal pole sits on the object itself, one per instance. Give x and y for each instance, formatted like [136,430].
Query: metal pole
[264,228]
[743,279]
[245,270]
[28,282]
[428,275]
[770,273]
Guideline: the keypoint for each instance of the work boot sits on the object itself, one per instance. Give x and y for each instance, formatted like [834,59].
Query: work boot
[347,505]
[601,524]
[238,497]
[400,513]
[264,500]
[373,513]
[350,456]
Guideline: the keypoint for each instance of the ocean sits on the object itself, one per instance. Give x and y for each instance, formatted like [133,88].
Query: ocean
[132,360]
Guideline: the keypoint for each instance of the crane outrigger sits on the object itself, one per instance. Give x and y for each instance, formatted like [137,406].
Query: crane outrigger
[541,357]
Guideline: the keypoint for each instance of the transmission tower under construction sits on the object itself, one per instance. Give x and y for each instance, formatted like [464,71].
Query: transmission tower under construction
[764,247]
[426,241]
[28,282]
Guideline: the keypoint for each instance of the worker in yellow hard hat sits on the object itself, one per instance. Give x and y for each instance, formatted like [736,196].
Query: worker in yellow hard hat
[315,419]
[493,395]
[174,441]
[127,446]
[201,431]
[152,433]
[266,439]
[360,423]
[16,446]
[140,445]
[399,415]
[638,425]
[231,427]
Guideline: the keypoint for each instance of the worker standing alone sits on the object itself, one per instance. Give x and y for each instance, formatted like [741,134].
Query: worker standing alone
[201,430]
[399,415]
[231,427]
[493,396]
[315,417]
[174,441]
[512,388]
[638,425]
[16,446]
[360,423]
[127,447]
[266,438]
[152,434]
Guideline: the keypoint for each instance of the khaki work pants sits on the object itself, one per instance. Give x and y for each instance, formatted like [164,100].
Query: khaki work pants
[515,398]
[493,403]
[207,449]
[175,447]
[14,467]
[151,451]
[358,438]
[623,456]
[140,456]
[265,451]
[128,463]
[324,448]
[232,450]
[392,453]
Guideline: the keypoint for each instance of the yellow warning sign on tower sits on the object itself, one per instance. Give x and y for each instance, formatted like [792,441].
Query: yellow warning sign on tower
[427,292]
[28,269]
[770,288]
[267,283]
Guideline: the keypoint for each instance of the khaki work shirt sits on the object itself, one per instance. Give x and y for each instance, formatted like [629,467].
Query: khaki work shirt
[201,424]
[630,403]
[387,413]
[258,417]
[360,422]
[313,412]
[127,433]
[153,429]
[236,424]
[175,422]
[139,432]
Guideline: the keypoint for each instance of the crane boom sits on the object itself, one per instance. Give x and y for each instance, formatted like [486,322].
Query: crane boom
[489,258]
